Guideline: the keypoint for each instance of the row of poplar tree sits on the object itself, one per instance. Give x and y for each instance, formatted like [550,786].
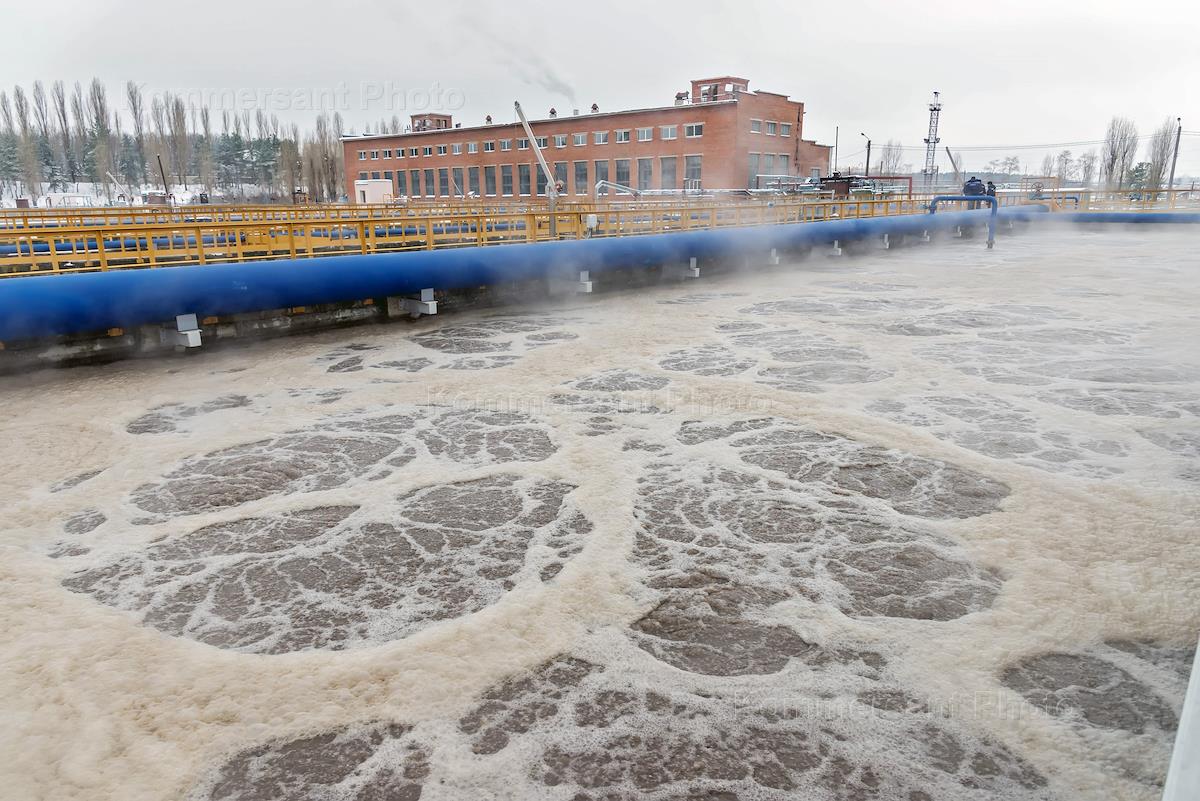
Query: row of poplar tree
[52,139]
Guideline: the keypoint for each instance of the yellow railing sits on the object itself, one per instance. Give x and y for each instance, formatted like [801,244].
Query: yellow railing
[243,236]
[123,217]
[106,239]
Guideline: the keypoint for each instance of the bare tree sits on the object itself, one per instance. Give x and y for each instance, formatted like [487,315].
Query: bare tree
[180,146]
[206,149]
[6,115]
[890,157]
[1120,147]
[158,119]
[31,172]
[58,94]
[1047,165]
[41,111]
[101,130]
[1087,167]
[1064,166]
[1159,153]
[79,125]
[137,115]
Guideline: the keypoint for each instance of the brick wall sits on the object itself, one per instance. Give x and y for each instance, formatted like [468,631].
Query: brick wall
[724,147]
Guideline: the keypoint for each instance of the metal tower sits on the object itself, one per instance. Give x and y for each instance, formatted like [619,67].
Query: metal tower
[931,141]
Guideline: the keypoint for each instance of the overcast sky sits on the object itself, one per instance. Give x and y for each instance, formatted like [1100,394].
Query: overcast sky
[1010,73]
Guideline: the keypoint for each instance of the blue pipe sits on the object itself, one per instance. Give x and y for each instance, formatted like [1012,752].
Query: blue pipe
[989,199]
[50,305]
[1139,217]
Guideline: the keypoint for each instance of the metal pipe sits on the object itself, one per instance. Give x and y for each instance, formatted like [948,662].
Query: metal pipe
[989,199]
[41,306]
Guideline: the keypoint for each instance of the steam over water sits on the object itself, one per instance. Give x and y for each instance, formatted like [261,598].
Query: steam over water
[917,526]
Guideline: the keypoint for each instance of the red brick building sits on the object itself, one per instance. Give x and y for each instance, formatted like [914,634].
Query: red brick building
[720,135]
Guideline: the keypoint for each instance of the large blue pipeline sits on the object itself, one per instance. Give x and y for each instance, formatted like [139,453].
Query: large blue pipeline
[43,306]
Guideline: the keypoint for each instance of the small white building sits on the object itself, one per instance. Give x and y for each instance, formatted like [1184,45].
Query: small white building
[373,190]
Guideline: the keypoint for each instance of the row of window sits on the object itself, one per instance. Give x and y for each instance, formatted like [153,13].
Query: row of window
[692,130]
[767,164]
[772,128]
[520,179]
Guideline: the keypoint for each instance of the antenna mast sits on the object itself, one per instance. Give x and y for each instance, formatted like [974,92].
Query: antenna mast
[931,141]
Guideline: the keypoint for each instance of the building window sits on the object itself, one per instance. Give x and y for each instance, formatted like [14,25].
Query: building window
[542,142]
[443,182]
[489,181]
[427,151]
[506,180]
[666,172]
[752,181]
[560,140]
[772,127]
[622,136]
[601,171]
[456,177]
[669,132]
[645,134]
[429,187]
[784,166]
[645,174]
[472,147]
[523,178]
[768,164]
[691,170]
[473,180]
[374,155]
[362,176]
[785,129]
[581,183]
[623,172]
[412,152]
[414,178]
[522,144]
[600,137]
[387,174]
[441,150]
[755,126]
[489,147]
[560,174]
[362,155]
[401,183]
[579,139]
[541,181]
[456,149]
[387,154]
[693,130]
[399,152]
[375,175]
[506,144]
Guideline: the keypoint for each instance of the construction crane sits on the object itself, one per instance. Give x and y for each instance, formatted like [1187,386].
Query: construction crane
[931,141]
[551,181]
[954,164]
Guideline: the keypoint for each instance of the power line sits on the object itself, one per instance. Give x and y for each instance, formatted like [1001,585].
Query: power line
[1042,146]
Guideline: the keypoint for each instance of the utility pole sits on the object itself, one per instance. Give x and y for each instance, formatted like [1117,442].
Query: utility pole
[1175,158]
[867,169]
